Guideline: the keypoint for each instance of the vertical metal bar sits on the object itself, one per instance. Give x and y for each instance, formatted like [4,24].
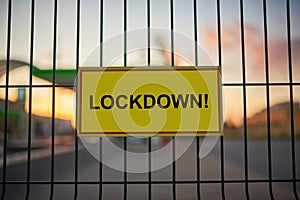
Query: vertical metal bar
[125,167]
[100,169]
[148,32]
[268,99]
[173,138]
[220,64]
[198,167]
[288,20]
[77,66]
[149,138]
[5,135]
[53,98]
[196,64]
[196,34]
[30,102]
[125,64]
[174,168]
[244,100]
[172,32]
[222,167]
[149,168]
[101,33]
[101,65]
[125,33]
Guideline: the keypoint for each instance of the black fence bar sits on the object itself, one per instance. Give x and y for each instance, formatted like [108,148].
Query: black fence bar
[30,102]
[101,10]
[203,181]
[149,64]
[77,67]
[198,164]
[37,86]
[224,84]
[260,84]
[288,23]
[100,169]
[125,65]
[268,98]
[53,98]
[5,134]
[244,100]
[172,65]
[220,64]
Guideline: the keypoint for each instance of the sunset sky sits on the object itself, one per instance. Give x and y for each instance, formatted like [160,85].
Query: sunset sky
[160,18]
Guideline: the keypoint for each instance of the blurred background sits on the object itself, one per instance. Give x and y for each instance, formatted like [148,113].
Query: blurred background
[252,108]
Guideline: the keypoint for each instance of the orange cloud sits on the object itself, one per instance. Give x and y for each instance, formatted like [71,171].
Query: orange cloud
[255,63]
[254,50]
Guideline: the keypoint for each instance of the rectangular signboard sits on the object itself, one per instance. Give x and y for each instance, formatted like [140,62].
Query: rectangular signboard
[149,101]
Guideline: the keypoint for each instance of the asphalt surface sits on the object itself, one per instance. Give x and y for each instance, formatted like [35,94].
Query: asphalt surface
[88,168]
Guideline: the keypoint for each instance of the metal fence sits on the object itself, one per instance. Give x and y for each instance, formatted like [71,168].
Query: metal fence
[174,182]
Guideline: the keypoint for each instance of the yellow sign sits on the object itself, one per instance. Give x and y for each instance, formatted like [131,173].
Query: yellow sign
[141,101]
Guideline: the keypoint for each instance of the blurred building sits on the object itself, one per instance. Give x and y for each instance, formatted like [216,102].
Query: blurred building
[41,101]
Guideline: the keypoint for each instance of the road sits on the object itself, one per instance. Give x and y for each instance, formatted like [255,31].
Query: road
[234,169]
